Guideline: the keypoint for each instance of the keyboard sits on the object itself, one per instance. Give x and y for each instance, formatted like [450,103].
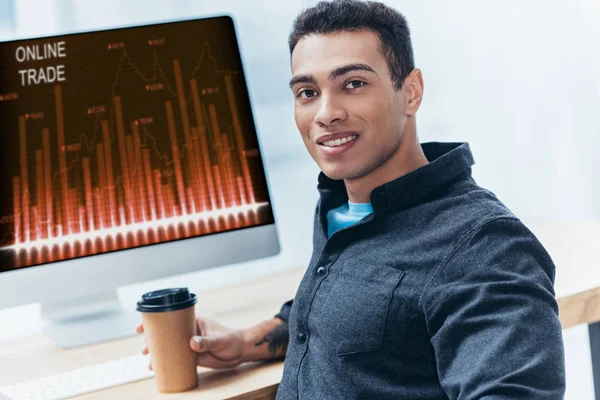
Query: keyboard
[80,381]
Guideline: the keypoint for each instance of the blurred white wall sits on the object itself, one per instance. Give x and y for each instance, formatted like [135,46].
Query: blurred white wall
[519,80]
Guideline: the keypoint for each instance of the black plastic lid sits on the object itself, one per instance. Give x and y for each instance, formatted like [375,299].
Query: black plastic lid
[166,300]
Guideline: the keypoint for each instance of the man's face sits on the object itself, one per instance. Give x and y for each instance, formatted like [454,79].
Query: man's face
[350,115]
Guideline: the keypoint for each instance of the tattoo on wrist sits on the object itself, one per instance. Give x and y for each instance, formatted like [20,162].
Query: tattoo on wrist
[277,339]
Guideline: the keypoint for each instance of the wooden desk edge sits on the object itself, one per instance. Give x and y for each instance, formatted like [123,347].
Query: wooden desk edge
[265,393]
[579,308]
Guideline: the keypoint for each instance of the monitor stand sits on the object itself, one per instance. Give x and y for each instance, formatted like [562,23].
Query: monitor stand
[89,319]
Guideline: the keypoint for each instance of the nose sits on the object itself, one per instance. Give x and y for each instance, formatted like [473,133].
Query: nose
[330,112]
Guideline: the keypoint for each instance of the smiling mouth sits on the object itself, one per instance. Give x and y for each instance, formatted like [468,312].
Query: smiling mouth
[338,142]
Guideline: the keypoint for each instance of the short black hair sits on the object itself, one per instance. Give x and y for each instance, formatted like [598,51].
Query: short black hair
[354,15]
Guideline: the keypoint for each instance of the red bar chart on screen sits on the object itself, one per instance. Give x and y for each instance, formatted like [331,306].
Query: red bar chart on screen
[139,140]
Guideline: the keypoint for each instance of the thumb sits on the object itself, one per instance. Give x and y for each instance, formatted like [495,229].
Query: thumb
[201,344]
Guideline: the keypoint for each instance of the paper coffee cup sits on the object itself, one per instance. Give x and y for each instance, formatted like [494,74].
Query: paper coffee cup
[169,323]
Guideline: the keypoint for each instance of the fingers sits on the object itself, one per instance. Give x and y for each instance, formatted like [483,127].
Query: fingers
[198,344]
[201,324]
[209,361]
[201,344]
[145,347]
[140,329]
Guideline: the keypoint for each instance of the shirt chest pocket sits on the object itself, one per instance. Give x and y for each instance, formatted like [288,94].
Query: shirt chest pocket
[354,314]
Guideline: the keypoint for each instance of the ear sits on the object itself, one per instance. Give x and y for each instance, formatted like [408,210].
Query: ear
[413,84]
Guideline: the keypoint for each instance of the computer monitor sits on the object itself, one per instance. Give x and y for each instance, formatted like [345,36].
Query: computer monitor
[126,155]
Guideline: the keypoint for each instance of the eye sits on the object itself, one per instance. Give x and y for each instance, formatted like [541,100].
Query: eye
[309,93]
[355,84]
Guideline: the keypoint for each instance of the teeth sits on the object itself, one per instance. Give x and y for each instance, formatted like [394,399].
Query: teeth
[338,142]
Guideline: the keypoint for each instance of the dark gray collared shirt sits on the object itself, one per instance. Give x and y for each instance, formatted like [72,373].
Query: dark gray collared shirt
[440,293]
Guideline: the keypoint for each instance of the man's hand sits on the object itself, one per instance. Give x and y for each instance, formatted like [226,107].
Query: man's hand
[221,347]
[217,346]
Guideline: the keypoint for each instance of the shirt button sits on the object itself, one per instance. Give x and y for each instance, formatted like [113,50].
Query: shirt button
[301,337]
[321,271]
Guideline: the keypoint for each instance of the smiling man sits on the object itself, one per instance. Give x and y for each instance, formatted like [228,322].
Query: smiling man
[422,284]
[356,120]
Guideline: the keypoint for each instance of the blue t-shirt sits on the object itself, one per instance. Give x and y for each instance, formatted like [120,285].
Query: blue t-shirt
[346,215]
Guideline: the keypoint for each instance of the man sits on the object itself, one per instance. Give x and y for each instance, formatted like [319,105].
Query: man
[421,285]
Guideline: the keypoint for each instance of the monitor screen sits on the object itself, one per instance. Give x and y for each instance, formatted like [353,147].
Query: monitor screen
[124,138]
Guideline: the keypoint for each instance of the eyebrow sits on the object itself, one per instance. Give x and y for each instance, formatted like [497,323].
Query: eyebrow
[336,73]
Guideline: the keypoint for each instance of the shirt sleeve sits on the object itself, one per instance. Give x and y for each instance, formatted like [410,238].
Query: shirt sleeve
[492,317]
[284,313]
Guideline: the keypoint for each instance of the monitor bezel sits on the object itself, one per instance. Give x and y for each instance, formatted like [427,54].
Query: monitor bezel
[66,279]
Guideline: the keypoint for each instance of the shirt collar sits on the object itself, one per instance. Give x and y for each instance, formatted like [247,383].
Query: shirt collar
[446,162]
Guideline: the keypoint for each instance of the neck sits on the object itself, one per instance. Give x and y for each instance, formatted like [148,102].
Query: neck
[407,158]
